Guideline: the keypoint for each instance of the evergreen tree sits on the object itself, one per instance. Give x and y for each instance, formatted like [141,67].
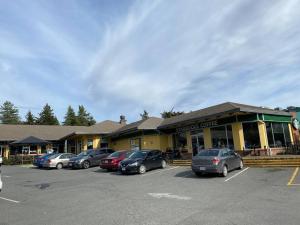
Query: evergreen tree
[9,114]
[70,117]
[84,118]
[30,119]
[169,114]
[47,117]
[144,115]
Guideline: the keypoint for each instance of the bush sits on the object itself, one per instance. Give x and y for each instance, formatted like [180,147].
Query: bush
[18,160]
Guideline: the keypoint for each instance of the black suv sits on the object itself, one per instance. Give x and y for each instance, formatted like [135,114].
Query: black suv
[91,157]
[141,161]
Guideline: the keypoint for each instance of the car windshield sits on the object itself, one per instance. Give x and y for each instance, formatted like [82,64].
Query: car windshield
[85,153]
[115,154]
[209,153]
[137,154]
[53,156]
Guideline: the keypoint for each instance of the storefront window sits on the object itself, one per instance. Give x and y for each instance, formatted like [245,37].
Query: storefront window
[180,140]
[135,144]
[222,137]
[278,134]
[90,144]
[251,135]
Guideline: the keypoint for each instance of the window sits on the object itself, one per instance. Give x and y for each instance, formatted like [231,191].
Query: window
[251,135]
[180,140]
[278,134]
[90,144]
[222,137]
[135,144]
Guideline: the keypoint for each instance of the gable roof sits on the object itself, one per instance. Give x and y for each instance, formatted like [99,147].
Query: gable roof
[9,132]
[213,111]
[30,140]
[147,124]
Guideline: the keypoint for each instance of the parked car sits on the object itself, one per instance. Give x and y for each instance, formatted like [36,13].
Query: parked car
[39,160]
[1,160]
[89,158]
[218,161]
[141,161]
[112,161]
[58,160]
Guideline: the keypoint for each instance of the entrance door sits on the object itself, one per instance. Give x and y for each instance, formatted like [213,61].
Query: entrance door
[197,143]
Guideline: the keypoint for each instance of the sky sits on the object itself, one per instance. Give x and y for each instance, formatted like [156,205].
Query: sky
[124,56]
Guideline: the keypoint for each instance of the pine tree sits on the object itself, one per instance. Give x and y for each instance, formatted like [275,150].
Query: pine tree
[30,119]
[169,114]
[9,114]
[47,117]
[84,118]
[144,115]
[70,117]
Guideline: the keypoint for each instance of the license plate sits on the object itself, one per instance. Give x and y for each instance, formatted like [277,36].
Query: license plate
[123,168]
[106,161]
[70,164]
[202,168]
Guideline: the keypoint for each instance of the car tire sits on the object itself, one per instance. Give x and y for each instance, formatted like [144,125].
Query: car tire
[163,164]
[59,166]
[241,165]
[224,171]
[198,174]
[86,164]
[142,169]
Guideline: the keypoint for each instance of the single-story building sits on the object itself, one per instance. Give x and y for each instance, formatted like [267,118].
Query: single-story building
[36,139]
[142,134]
[236,126]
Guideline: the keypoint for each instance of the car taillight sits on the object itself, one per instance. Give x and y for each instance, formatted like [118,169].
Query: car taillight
[215,161]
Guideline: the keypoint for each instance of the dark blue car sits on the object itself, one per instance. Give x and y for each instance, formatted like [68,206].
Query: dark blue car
[39,161]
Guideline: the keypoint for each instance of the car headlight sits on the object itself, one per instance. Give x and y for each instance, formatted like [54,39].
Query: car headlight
[134,164]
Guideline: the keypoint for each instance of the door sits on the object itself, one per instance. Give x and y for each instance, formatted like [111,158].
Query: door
[197,143]
[157,158]
[229,158]
[64,159]
[149,160]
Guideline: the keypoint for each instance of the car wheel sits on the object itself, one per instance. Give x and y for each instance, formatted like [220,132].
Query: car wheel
[198,174]
[241,165]
[86,164]
[59,166]
[163,164]
[142,169]
[224,171]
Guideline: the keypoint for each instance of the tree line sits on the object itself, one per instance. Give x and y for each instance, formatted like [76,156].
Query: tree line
[9,114]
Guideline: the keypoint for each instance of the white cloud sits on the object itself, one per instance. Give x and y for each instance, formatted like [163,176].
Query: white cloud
[191,55]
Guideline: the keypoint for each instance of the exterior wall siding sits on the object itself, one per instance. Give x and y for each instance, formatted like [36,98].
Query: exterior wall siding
[263,134]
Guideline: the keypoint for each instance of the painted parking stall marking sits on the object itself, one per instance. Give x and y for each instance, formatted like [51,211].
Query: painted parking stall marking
[169,196]
[293,177]
[235,175]
[9,200]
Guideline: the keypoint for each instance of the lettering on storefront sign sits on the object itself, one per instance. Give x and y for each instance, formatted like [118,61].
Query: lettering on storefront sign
[198,126]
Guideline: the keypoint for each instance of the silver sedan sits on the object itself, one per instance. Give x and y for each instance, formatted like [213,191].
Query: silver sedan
[58,161]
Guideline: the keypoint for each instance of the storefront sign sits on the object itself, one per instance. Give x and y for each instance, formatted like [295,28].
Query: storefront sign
[198,126]
[296,124]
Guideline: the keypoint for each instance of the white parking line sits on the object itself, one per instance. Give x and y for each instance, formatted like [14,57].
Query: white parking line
[237,174]
[160,171]
[10,200]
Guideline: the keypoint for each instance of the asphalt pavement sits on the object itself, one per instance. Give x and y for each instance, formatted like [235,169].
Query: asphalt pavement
[166,196]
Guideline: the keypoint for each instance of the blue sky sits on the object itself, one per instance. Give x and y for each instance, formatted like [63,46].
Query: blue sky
[121,57]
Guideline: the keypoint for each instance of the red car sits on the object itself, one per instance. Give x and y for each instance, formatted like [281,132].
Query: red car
[112,161]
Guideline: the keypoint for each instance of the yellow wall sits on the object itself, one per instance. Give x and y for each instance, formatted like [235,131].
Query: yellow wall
[262,134]
[96,142]
[238,136]
[291,133]
[154,141]
[207,138]
[189,142]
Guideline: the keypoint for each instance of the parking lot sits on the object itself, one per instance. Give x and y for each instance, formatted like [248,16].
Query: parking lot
[170,196]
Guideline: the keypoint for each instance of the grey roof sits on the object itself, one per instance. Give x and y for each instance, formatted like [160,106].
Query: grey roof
[218,110]
[147,124]
[53,132]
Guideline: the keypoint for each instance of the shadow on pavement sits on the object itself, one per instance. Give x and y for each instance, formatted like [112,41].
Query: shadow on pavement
[191,174]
